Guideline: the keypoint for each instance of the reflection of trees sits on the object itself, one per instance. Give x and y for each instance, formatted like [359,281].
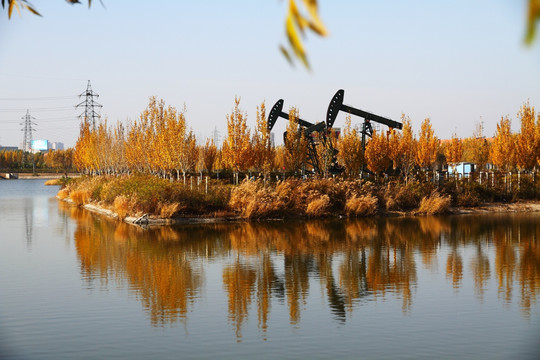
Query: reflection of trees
[163,279]
[353,261]
[239,281]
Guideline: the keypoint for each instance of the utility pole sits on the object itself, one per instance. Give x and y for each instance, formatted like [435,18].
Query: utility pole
[89,115]
[27,137]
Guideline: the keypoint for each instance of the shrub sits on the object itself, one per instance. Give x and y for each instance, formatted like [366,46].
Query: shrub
[168,210]
[53,182]
[363,205]
[63,193]
[434,204]
[122,205]
[79,197]
[318,207]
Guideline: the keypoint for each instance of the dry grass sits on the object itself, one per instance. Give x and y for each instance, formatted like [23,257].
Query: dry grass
[168,210]
[434,204]
[80,197]
[253,200]
[319,207]
[363,205]
[63,193]
[122,206]
[54,182]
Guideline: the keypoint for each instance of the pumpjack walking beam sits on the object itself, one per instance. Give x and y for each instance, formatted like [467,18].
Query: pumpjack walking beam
[336,105]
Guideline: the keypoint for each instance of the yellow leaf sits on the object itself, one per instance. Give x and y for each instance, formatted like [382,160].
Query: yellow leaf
[294,40]
[532,17]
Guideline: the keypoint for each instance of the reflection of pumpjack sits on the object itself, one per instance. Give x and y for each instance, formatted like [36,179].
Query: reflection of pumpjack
[311,132]
[336,104]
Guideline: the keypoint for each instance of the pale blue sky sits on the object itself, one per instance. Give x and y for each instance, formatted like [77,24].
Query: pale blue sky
[454,61]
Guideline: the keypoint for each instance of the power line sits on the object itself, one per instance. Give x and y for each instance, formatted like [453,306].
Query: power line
[45,98]
[58,108]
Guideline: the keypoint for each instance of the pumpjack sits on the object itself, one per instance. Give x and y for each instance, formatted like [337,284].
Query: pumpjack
[316,134]
[321,132]
[336,105]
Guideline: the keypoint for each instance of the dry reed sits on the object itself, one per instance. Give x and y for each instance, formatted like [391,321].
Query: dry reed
[122,205]
[53,182]
[79,197]
[363,205]
[434,204]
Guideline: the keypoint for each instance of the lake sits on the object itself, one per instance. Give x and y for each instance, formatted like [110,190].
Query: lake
[78,285]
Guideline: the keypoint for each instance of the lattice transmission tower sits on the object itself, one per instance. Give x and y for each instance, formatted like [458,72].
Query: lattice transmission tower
[89,114]
[27,137]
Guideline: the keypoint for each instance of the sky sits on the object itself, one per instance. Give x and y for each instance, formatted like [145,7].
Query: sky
[458,62]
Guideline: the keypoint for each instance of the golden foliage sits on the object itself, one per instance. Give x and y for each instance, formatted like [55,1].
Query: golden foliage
[528,140]
[295,25]
[454,150]
[502,149]
[263,151]
[80,197]
[427,146]
[377,153]
[350,148]
[533,16]
[122,205]
[237,153]
[296,143]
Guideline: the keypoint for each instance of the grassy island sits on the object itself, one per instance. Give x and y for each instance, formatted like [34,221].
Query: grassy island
[134,196]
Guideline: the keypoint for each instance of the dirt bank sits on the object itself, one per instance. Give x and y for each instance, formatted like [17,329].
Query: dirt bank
[488,208]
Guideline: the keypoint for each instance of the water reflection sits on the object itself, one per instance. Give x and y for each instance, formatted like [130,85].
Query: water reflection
[267,263]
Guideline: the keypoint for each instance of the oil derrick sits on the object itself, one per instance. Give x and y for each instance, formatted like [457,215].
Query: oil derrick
[89,115]
[27,137]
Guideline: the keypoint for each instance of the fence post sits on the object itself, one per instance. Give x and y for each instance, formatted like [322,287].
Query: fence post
[191,183]
[206,185]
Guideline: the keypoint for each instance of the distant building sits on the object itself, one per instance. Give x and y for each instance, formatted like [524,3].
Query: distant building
[46,145]
[8,148]
[57,146]
[462,169]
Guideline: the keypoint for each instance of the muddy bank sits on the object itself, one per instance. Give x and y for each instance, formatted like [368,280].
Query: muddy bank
[487,208]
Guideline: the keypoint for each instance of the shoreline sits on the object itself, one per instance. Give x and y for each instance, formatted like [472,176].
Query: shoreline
[42,176]
[531,206]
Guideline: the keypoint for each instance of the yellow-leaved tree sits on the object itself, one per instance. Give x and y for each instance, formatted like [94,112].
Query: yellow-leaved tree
[377,158]
[350,148]
[427,146]
[236,149]
[454,151]
[502,149]
[528,142]
[263,151]
[296,144]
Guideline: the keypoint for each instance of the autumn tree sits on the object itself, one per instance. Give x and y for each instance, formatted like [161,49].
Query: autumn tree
[350,148]
[502,149]
[404,153]
[296,143]
[377,158]
[528,142]
[427,146]
[454,151]
[263,151]
[237,146]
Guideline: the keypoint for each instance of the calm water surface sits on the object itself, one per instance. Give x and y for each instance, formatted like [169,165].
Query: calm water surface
[76,285]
